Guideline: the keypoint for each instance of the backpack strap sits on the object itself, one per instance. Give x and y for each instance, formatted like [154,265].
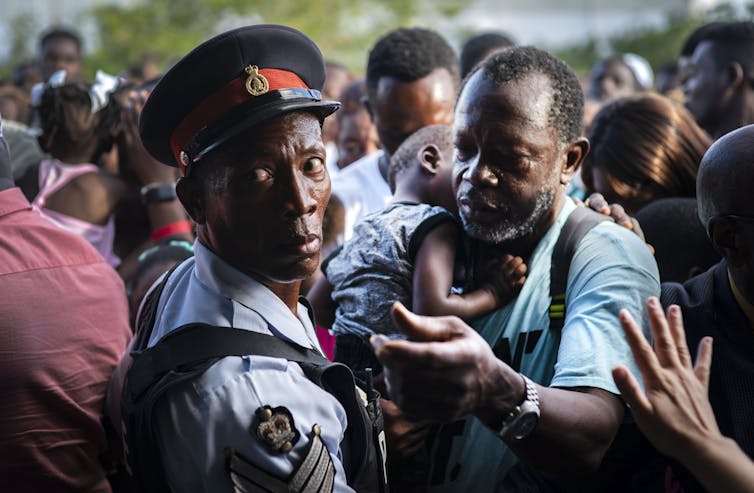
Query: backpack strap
[579,223]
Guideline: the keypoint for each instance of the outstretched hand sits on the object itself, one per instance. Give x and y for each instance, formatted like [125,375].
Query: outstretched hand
[674,413]
[444,369]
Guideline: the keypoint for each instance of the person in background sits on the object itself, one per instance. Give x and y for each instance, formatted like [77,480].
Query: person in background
[619,76]
[412,80]
[718,76]
[357,135]
[643,148]
[720,302]
[338,76]
[480,46]
[64,326]
[60,48]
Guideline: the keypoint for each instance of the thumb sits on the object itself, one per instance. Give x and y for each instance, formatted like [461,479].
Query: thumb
[420,328]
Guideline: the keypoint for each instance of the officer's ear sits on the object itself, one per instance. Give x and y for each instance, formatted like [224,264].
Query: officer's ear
[191,194]
[574,155]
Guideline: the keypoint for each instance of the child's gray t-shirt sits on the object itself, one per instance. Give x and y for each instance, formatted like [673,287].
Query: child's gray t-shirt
[375,268]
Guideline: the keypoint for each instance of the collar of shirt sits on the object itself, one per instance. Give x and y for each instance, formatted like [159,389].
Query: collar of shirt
[249,295]
[746,307]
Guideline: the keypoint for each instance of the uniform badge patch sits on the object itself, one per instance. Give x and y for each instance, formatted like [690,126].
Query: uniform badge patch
[276,429]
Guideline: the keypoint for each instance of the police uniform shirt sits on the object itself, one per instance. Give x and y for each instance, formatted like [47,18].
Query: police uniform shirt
[200,418]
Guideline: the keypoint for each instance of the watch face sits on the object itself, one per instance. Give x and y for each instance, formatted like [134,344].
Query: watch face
[524,425]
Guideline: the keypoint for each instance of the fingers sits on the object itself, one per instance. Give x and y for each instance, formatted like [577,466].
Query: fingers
[675,322]
[703,362]
[631,391]
[640,233]
[419,328]
[598,203]
[619,215]
[514,269]
[645,357]
[664,344]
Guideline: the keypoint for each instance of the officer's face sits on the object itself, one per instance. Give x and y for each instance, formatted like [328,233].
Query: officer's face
[263,213]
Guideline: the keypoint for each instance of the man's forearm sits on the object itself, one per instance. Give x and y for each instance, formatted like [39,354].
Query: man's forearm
[575,428]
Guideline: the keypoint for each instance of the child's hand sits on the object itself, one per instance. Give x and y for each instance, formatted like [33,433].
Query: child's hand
[505,278]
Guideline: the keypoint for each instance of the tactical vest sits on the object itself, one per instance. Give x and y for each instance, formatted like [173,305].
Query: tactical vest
[145,374]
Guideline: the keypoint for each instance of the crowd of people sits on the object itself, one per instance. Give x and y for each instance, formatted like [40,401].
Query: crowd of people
[455,273]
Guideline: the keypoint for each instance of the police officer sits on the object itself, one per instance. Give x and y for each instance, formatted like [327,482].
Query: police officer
[241,115]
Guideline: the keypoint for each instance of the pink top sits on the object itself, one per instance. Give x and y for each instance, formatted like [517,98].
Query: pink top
[54,175]
[63,328]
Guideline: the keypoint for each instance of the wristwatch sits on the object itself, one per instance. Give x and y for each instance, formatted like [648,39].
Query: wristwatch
[158,192]
[522,420]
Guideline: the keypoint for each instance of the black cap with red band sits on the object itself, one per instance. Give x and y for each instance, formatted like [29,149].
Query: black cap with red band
[228,85]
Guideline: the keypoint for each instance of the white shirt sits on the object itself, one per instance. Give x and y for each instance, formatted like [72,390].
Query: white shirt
[200,418]
[362,189]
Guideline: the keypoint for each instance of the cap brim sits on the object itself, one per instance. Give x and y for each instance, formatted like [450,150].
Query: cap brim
[216,137]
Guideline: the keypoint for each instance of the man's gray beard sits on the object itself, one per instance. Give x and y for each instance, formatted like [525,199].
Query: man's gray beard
[510,228]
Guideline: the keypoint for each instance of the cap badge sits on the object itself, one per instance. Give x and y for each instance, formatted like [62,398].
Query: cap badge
[276,429]
[184,158]
[256,83]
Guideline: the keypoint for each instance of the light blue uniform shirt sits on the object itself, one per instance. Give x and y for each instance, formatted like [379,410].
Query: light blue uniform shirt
[611,269]
[199,419]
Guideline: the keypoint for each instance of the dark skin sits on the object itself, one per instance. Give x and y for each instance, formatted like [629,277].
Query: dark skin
[277,184]
[445,369]
[428,181]
[401,108]
[611,79]
[717,90]
[60,54]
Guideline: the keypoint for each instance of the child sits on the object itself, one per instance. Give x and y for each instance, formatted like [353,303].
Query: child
[406,252]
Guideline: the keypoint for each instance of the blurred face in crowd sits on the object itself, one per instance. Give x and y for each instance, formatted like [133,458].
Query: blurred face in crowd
[61,54]
[260,207]
[357,137]
[402,108]
[507,157]
[335,80]
[611,79]
[704,86]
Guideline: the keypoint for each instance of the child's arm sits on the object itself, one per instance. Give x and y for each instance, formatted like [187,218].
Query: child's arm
[320,297]
[433,278]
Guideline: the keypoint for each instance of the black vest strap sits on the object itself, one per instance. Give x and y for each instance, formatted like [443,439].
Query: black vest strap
[578,224]
[194,343]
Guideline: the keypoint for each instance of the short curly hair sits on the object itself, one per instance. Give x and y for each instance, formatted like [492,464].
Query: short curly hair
[405,157]
[519,62]
[409,54]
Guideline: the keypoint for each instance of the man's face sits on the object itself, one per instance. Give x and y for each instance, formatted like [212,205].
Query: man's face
[507,157]
[703,86]
[611,79]
[61,54]
[402,108]
[357,137]
[266,220]
[336,79]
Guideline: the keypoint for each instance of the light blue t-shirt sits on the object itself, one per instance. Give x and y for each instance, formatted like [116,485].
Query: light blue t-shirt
[199,418]
[611,269]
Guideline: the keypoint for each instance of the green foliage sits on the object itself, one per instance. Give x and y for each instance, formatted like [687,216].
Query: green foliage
[167,29]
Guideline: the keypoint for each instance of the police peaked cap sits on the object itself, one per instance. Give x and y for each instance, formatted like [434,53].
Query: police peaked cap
[229,84]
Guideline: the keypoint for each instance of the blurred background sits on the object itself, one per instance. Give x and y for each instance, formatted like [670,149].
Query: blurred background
[120,33]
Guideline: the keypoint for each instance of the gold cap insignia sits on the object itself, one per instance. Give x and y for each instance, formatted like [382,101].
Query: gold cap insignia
[256,83]
[184,158]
